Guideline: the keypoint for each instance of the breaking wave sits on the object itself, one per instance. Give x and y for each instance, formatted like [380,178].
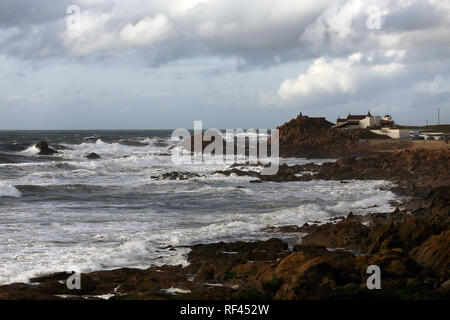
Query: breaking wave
[7,190]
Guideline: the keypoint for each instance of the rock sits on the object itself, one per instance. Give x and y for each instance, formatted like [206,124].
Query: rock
[311,278]
[446,284]
[309,137]
[434,254]
[349,233]
[384,238]
[44,149]
[22,291]
[396,266]
[424,168]
[405,233]
[282,229]
[430,170]
[93,156]
[268,250]
[310,250]
[175,175]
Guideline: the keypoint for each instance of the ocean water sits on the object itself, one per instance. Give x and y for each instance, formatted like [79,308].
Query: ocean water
[65,210]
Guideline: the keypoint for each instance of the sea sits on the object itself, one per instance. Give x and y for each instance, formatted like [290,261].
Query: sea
[61,211]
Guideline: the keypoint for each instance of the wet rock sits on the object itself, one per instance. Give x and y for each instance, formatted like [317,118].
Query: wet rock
[434,254]
[311,250]
[45,149]
[268,250]
[175,175]
[22,291]
[311,278]
[93,156]
[406,233]
[395,264]
[349,233]
[282,229]
[416,171]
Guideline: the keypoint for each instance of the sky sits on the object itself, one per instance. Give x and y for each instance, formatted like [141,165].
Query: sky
[160,64]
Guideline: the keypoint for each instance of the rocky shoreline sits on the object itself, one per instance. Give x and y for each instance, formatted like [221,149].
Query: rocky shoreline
[411,246]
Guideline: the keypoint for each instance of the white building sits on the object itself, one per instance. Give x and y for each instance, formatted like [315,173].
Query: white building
[359,121]
[394,133]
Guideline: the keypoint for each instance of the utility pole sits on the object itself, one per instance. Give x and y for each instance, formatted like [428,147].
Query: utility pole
[438,117]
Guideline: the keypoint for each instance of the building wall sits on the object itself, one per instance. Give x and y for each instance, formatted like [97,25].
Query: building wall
[364,123]
[394,133]
[376,121]
[369,122]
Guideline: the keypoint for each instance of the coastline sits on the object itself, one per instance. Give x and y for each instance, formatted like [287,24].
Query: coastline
[410,245]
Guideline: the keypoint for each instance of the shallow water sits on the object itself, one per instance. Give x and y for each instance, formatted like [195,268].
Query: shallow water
[65,210]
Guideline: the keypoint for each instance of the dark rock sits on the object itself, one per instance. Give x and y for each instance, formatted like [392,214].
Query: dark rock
[434,254]
[93,156]
[397,267]
[44,149]
[175,175]
[349,233]
[282,229]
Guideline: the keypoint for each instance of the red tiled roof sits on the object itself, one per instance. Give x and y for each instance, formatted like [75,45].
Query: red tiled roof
[356,117]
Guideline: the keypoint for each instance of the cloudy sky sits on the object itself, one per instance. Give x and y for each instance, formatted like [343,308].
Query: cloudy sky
[149,64]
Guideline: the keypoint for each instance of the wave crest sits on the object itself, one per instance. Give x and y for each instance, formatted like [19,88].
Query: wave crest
[7,190]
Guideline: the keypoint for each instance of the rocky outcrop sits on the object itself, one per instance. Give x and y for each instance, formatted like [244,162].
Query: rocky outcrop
[415,171]
[309,137]
[349,233]
[93,156]
[434,254]
[176,175]
[418,166]
[45,150]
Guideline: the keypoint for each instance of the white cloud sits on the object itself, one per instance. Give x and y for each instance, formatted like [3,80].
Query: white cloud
[335,22]
[146,31]
[340,76]
[434,87]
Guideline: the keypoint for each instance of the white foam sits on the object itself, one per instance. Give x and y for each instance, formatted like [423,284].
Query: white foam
[376,203]
[174,291]
[31,150]
[7,190]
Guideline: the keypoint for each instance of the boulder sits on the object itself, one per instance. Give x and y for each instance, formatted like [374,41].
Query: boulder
[176,175]
[349,233]
[93,156]
[45,150]
[434,254]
